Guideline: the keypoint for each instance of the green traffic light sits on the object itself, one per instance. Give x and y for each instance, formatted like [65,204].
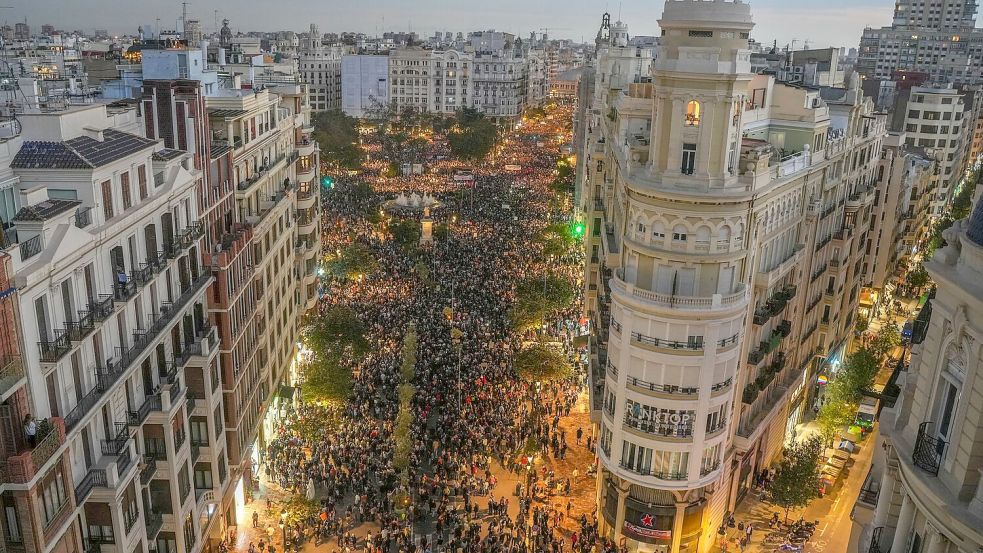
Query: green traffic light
[327,182]
[578,229]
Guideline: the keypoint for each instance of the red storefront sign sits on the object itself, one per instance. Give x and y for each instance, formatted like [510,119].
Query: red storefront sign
[648,532]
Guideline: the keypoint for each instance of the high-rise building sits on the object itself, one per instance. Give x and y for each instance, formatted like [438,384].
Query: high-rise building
[319,67]
[926,475]
[726,214]
[935,37]
[500,82]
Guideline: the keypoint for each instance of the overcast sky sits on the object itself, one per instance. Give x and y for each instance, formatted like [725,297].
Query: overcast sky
[829,23]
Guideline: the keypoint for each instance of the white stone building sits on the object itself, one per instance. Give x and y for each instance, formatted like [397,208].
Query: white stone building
[434,81]
[927,481]
[364,83]
[725,215]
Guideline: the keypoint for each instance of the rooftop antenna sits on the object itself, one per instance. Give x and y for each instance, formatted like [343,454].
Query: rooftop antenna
[184,17]
[157,29]
[215,21]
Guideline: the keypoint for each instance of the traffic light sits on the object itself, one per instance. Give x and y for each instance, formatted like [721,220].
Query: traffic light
[327,182]
[578,229]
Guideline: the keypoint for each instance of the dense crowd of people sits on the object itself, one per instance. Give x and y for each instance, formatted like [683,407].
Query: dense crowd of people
[474,419]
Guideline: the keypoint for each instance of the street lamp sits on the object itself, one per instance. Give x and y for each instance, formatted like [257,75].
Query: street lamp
[283,528]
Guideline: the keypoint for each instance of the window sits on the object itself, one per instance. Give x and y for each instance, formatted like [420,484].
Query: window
[199,432]
[689,159]
[53,497]
[692,113]
[671,464]
[107,199]
[142,180]
[694,342]
[679,236]
[124,182]
[701,34]
[203,479]
[636,458]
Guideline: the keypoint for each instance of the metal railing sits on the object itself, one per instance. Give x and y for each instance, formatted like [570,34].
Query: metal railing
[55,349]
[136,418]
[875,541]
[83,217]
[669,344]
[662,388]
[928,451]
[31,247]
[149,469]
[95,477]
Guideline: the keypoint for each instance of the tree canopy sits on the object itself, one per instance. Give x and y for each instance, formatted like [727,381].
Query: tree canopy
[337,134]
[334,339]
[354,261]
[534,300]
[472,137]
[541,363]
[797,481]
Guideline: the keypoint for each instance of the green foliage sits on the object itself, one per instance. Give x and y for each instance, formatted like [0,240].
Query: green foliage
[406,232]
[832,417]
[327,381]
[473,136]
[862,324]
[338,330]
[796,481]
[918,277]
[298,508]
[355,260]
[402,438]
[541,363]
[338,137]
[936,240]
[855,376]
[888,338]
[534,300]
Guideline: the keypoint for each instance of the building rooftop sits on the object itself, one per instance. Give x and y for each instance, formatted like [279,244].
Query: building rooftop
[83,152]
[46,209]
[226,113]
[167,154]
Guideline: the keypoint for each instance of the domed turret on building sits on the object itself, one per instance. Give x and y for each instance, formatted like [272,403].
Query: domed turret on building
[225,35]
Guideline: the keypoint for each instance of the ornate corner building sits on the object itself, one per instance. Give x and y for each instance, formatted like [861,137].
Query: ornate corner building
[726,216]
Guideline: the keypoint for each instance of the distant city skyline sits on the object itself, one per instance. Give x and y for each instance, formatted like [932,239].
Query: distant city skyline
[835,23]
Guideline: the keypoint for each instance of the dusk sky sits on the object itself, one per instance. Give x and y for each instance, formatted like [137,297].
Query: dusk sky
[833,23]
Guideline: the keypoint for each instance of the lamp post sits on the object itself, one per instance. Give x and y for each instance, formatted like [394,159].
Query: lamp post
[283,528]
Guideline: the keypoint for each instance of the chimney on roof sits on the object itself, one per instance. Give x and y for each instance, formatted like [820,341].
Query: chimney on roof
[94,133]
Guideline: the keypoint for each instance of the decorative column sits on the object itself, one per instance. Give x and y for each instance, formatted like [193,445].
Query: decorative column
[904,523]
[619,519]
[884,499]
[677,526]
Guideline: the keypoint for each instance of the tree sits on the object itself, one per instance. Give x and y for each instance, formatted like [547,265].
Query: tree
[855,376]
[832,417]
[472,137]
[535,298]
[337,330]
[918,277]
[406,233]
[337,134]
[354,261]
[886,340]
[541,363]
[797,479]
[862,324]
[334,339]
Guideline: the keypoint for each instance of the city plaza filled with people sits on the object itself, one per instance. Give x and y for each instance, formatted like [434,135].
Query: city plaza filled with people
[475,422]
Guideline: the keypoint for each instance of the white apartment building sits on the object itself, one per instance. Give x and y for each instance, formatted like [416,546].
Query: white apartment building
[364,83]
[935,120]
[434,81]
[929,496]
[500,82]
[114,324]
[725,214]
[319,67]
[900,215]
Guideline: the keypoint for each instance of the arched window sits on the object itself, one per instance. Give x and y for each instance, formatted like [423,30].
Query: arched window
[692,113]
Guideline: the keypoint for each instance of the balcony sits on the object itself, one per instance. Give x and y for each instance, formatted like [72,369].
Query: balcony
[682,303]
[675,391]
[93,478]
[55,349]
[661,475]
[775,305]
[929,451]
[667,344]
[77,330]
[149,469]
[246,184]
[770,277]
[83,217]
[153,522]
[11,372]
[136,418]
[125,288]
[22,468]
[103,308]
